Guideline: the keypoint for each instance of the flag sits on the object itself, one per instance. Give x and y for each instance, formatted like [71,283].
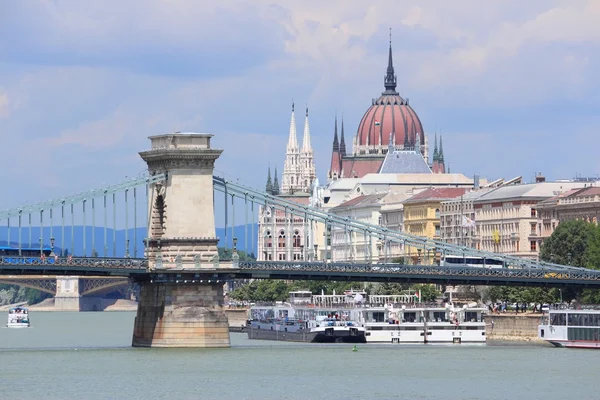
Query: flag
[377,123]
[467,222]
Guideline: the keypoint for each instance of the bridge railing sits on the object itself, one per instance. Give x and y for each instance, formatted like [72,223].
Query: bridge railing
[399,269]
[75,262]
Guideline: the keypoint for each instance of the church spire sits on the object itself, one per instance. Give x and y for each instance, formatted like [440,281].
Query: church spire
[435,150]
[306,146]
[269,187]
[390,79]
[336,144]
[441,152]
[292,139]
[342,141]
[275,188]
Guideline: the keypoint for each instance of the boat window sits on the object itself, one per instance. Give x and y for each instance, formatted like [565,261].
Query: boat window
[558,319]
[471,316]
[440,316]
[410,316]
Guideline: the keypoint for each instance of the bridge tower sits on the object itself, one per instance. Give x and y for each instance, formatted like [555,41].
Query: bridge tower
[181,227]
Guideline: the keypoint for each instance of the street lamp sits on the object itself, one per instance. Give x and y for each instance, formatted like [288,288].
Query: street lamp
[41,248]
[316,254]
[52,247]
[126,249]
[235,245]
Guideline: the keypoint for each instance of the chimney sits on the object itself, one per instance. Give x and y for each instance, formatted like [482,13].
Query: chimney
[540,178]
[476,182]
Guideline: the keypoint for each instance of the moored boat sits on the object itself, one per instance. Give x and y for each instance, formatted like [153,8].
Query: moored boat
[18,317]
[571,328]
[424,324]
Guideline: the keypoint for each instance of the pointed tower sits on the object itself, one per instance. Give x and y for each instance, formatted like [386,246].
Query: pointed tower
[435,166]
[389,81]
[336,157]
[307,161]
[291,167]
[441,163]
[342,141]
[275,187]
[269,187]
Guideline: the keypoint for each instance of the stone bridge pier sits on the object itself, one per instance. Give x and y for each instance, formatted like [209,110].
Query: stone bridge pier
[182,227]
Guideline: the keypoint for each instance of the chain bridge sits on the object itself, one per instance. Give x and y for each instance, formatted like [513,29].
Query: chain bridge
[158,230]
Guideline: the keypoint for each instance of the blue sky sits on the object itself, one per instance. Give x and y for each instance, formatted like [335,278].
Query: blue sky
[511,84]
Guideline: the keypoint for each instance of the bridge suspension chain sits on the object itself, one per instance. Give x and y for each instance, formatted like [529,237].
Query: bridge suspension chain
[235,189]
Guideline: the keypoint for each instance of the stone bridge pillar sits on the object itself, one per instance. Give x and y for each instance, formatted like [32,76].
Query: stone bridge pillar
[182,226]
[67,296]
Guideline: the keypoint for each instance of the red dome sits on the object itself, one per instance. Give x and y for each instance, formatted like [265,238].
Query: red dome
[389,114]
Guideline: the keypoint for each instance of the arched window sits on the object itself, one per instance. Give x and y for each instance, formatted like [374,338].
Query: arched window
[268,239]
[296,242]
[281,239]
[437,212]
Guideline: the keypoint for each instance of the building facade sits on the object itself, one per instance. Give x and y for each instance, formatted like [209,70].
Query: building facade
[506,217]
[283,236]
[422,218]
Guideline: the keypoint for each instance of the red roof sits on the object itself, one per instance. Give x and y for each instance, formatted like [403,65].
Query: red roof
[355,167]
[437,194]
[389,114]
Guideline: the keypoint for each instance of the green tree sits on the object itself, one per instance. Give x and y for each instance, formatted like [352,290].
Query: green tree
[575,243]
[428,292]
[226,254]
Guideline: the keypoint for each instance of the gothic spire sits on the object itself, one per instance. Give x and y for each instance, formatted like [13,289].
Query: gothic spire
[292,140]
[390,79]
[269,187]
[406,141]
[435,150]
[336,144]
[342,141]
[441,152]
[306,146]
[275,189]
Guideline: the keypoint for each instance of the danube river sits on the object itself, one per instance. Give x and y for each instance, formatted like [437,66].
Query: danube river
[88,356]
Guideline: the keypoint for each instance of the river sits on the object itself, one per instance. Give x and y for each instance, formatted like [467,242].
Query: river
[88,356]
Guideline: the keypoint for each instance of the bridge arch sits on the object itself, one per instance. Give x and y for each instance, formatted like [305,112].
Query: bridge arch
[46,284]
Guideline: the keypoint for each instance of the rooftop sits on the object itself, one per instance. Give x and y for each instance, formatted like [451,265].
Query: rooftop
[404,162]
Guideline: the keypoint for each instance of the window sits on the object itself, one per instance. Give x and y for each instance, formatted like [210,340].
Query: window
[437,212]
[533,245]
[281,239]
[268,239]
[296,239]
[282,257]
[533,213]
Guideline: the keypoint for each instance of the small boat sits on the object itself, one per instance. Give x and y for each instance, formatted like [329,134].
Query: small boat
[18,317]
[571,328]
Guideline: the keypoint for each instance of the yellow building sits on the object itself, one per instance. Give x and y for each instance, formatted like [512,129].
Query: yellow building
[422,218]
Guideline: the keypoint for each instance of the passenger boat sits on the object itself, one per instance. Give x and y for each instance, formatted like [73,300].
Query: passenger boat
[571,328]
[18,317]
[298,323]
[424,324]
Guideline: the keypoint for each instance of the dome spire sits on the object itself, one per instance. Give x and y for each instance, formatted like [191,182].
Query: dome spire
[390,79]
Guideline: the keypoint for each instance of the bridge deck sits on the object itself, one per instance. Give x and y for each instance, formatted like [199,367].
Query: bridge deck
[137,269]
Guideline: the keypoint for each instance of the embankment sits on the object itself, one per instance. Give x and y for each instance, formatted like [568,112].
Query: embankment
[237,319]
[514,327]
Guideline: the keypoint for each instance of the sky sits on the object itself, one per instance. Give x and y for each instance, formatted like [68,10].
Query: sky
[511,85]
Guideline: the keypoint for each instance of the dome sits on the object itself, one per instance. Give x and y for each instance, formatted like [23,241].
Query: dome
[389,115]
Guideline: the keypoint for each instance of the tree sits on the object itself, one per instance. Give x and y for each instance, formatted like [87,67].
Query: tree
[575,243]
[428,292]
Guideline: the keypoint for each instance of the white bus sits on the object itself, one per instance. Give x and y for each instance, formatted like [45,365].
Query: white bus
[472,261]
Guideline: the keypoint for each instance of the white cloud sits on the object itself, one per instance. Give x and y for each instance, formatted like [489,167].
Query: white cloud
[88,86]
[4,105]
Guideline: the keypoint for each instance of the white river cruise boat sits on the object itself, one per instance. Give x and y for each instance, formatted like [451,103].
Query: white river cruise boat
[571,328]
[424,324]
[18,317]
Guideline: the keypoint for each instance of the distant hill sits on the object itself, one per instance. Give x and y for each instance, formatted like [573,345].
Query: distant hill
[118,244]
